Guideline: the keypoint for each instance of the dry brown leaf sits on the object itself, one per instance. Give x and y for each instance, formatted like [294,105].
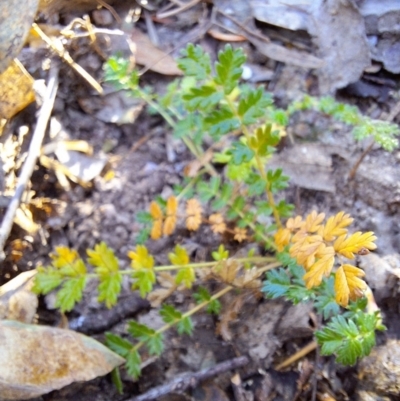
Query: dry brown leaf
[193,214]
[218,225]
[15,90]
[38,359]
[228,315]
[152,57]
[240,234]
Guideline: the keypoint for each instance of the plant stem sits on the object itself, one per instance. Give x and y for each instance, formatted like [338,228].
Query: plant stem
[260,166]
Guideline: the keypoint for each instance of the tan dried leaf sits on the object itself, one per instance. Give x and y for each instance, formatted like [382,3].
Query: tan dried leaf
[218,225]
[240,234]
[193,213]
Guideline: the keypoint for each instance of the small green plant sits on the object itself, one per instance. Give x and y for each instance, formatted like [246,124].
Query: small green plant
[307,259]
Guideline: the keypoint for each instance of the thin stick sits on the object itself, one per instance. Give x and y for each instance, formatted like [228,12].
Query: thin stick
[33,154]
[177,10]
[191,380]
[60,50]
[299,354]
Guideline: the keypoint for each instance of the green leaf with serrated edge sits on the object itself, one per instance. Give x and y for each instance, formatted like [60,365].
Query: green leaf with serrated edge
[140,331]
[263,208]
[241,153]
[169,314]
[204,98]
[179,257]
[144,217]
[279,117]
[133,362]
[214,307]
[103,258]
[70,293]
[224,197]
[325,302]
[145,279]
[155,345]
[195,62]
[284,209]
[116,379]
[276,180]
[229,68]
[238,173]
[185,276]
[256,183]
[277,283]
[46,280]
[185,326]
[110,288]
[169,97]
[221,121]
[220,254]
[118,344]
[252,106]
[142,236]
[202,294]
[236,208]
[152,339]
[188,126]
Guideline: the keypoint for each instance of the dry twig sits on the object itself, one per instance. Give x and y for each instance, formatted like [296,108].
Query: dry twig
[191,380]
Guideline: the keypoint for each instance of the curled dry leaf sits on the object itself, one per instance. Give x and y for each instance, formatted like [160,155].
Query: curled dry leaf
[37,359]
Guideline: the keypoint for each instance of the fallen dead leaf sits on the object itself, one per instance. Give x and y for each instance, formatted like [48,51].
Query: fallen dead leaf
[38,359]
[152,57]
[16,90]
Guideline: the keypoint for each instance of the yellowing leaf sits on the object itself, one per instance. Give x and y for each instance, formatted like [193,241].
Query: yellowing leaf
[335,226]
[172,206]
[179,257]
[103,258]
[313,221]
[169,225]
[348,285]
[322,267]
[355,243]
[155,210]
[141,258]
[185,276]
[156,229]
[294,223]
[64,256]
[282,238]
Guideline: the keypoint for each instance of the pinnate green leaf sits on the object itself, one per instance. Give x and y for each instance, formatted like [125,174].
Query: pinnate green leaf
[185,276]
[145,279]
[203,295]
[229,68]
[202,98]
[118,344]
[133,362]
[46,280]
[185,326]
[221,121]
[195,62]
[252,106]
[152,339]
[241,153]
[110,288]
[70,293]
